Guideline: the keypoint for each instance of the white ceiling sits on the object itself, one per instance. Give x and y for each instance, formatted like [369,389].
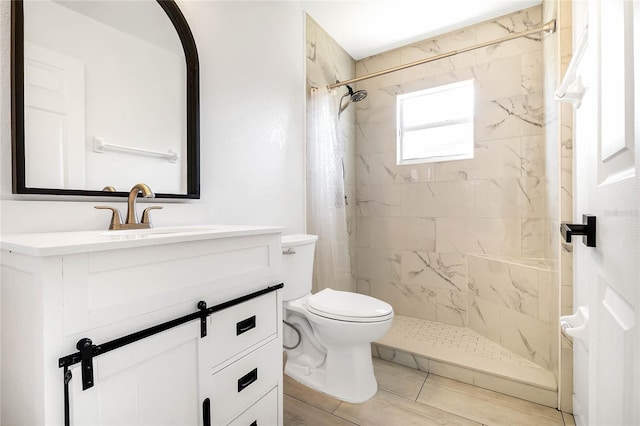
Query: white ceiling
[368,27]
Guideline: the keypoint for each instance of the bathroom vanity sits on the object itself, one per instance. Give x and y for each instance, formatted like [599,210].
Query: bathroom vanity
[222,367]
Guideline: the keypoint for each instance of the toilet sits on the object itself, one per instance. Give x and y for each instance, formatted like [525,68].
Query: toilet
[328,335]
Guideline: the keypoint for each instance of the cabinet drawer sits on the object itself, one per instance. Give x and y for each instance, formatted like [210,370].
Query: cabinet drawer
[239,385]
[239,327]
[262,413]
[111,286]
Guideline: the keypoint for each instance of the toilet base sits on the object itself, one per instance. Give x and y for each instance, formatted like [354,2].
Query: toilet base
[346,374]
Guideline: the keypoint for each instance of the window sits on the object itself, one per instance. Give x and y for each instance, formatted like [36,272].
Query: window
[436,124]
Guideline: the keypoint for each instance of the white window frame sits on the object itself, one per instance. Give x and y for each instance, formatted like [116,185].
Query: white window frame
[401,129]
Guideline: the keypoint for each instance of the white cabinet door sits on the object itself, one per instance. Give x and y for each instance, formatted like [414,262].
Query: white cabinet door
[607,277]
[151,382]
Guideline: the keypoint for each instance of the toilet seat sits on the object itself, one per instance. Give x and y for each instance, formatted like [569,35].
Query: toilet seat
[347,306]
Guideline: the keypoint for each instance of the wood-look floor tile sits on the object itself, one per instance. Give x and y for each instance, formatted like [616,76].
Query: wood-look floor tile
[485,406]
[398,379]
[310,396]
[388,409]
[299,413]
[569,420]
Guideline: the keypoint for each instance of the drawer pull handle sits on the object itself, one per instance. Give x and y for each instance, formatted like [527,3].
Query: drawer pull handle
[247,379]
[206,412]
[245,325]
[255,423]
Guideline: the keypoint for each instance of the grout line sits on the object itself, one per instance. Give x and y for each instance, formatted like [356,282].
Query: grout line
[346,420]
[318,408]
[380,388]
[302,400]
[564,418]
[310,404]
[422,387]
[444,410]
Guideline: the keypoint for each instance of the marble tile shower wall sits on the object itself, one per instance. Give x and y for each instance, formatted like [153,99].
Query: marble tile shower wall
[509,304]
[327,62]
[418,224]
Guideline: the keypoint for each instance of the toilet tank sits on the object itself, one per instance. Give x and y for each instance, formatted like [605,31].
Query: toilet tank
[297,264]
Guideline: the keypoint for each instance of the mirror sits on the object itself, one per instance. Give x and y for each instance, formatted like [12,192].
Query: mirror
[104,95]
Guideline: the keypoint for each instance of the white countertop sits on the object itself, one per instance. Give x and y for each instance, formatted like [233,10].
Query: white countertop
[60,243]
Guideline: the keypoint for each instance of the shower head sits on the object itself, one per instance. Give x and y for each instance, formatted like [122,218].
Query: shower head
[358,95]
[353,97]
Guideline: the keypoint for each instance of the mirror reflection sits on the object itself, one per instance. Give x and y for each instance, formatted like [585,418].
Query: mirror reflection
[105,97]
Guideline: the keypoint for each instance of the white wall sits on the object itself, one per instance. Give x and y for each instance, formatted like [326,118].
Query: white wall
[252,86]
[252,112]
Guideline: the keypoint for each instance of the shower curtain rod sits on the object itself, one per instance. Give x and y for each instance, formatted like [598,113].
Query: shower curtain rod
[549,27]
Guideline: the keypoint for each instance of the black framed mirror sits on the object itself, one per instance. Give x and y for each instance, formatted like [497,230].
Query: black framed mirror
[104,95]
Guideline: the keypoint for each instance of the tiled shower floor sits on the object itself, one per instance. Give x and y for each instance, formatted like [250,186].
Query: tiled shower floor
[449,337]
[462,354]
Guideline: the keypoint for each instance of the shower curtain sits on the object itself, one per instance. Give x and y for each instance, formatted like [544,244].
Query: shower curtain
[326,216]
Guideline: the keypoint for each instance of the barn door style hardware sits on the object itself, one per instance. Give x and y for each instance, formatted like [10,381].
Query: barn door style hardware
[87,350]
[587,229]
[85,346]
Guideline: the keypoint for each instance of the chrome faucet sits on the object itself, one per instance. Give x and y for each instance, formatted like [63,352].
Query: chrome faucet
[132,217]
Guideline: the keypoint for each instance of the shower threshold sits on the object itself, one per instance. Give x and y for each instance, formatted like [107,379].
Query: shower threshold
[460,353]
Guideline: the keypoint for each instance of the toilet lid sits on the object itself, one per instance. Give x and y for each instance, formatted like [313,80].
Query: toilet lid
[347,306]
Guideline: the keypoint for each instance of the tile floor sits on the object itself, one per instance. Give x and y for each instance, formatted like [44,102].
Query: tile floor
[412,397]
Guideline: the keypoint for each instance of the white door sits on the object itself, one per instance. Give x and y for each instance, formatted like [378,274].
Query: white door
[53,119]
[607,185]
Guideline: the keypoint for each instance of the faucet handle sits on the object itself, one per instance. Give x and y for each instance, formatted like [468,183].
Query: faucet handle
[146,217]
[116,217]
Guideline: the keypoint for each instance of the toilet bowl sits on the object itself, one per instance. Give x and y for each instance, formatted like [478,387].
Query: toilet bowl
[328,335]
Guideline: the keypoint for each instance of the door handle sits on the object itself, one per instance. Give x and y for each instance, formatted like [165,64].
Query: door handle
[587,229]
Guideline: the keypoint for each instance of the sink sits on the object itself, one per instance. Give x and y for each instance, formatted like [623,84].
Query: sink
[55,243]
[151,232]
